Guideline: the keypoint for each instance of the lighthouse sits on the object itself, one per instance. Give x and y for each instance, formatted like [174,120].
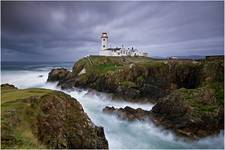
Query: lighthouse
[106,51]
[104,38]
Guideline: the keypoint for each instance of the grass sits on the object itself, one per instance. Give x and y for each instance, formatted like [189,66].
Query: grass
[219,92]
[128,84]
[102,64]
[14,94]
[104,68]
[192,96]
[207,108]
[115,60]
[17,116]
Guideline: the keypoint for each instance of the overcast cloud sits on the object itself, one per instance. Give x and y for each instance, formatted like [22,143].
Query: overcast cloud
[65,31]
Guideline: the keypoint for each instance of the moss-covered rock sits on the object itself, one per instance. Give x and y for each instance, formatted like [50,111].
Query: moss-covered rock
[190,112]
[41,118]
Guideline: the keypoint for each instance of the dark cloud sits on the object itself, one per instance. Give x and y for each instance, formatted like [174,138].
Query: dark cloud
[64,31]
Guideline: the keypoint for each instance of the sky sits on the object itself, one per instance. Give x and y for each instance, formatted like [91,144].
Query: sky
[66,31]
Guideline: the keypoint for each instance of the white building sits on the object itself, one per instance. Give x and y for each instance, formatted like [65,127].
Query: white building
[106,51]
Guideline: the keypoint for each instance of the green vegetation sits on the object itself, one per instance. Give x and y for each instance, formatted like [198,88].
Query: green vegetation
[140,79]
[201,99]
[36,118]
[118,60]
[14,94]
[151,77]
[219,92]
[17,117]
[104,68]
[128,84]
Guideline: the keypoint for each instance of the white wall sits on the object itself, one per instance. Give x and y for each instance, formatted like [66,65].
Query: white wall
[105,53]
[104,43]
[122,52]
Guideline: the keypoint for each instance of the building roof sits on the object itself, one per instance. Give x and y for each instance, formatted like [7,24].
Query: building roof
[113,49]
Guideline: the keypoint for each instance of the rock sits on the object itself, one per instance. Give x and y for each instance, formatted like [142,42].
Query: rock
[41,118]
[129,92]
[58,74]
[67,125]
[8,86]
[131,66]
[83,71]
[128,113]
[221,117]
[193,113]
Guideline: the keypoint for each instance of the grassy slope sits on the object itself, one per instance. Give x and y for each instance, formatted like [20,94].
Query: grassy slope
[16,111]
[101,64]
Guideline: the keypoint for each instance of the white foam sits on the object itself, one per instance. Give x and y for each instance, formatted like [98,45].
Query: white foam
[24,79]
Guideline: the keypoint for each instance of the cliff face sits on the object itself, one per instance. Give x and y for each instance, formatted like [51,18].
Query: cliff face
[41,118]
[189,94]
[140,77]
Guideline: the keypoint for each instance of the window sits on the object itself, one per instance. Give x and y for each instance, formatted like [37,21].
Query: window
[103,45]
[103,39]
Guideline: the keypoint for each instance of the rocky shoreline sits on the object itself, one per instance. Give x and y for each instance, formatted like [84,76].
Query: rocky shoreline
[189,94]
[175,112]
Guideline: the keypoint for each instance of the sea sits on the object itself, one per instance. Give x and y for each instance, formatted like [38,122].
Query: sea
[120,134]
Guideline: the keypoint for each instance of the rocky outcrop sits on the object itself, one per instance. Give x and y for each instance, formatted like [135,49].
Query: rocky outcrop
[41,118]
[128,113]
[58,74]
[67,125]
[7,86]
[141,77]
[192,113]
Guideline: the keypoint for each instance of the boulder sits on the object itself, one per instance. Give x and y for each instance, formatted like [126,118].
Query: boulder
[58,74]
[128,113]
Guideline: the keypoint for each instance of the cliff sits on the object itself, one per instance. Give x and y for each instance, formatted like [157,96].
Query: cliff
[41,118]
[138,78]
[189,94]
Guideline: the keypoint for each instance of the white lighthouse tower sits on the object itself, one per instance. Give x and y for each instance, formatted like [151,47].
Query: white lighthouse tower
[104,38]
[105,51]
